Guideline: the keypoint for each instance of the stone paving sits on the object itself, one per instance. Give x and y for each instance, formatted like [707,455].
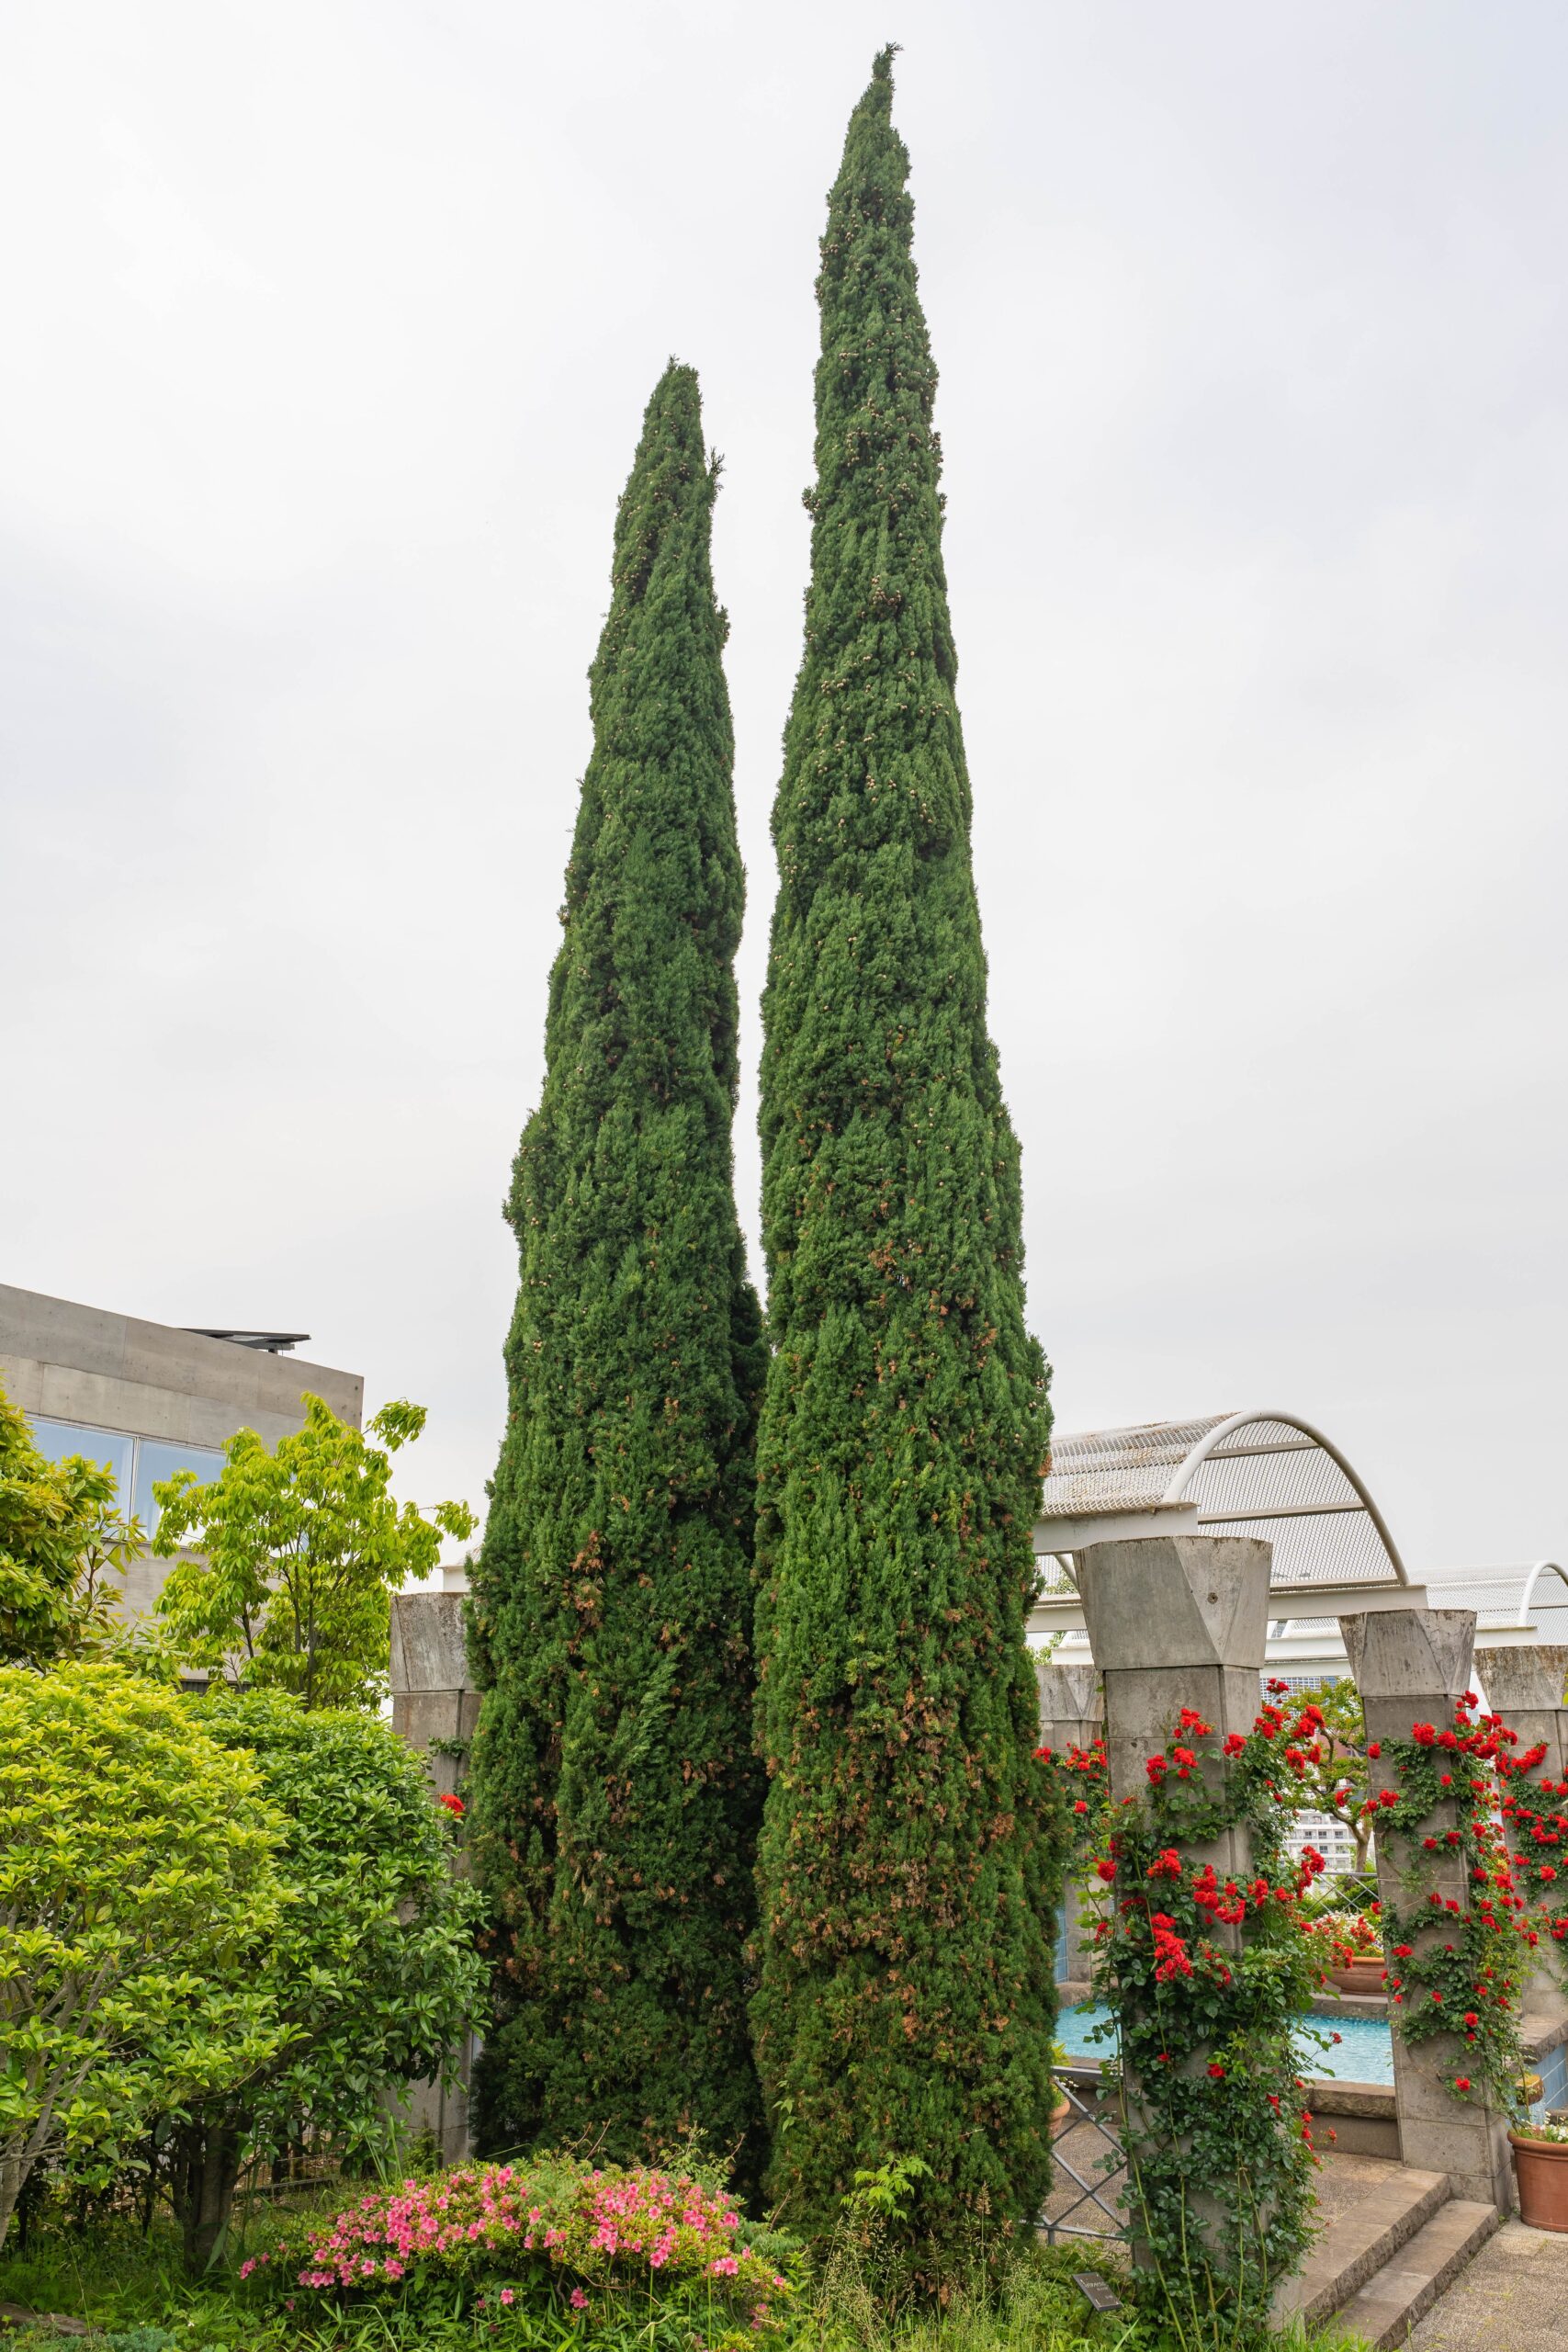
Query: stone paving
[1512,2298]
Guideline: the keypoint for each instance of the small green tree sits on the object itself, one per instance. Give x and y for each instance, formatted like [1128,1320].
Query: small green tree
[302,1548]
[63,1547]
[1329,1775]
[138,1897]
[373,1968]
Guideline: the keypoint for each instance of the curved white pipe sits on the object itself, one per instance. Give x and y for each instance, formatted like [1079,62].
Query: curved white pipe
[1182,1476]
[1540,1568]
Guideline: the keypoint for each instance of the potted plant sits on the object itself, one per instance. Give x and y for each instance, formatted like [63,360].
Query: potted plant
[1355,1963]
[1540,2167]
[1061,2104]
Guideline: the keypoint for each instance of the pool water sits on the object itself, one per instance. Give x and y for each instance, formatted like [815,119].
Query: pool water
[1364,2052]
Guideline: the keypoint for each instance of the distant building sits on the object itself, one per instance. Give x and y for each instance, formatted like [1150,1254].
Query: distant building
[1331,1838]
[149,1399]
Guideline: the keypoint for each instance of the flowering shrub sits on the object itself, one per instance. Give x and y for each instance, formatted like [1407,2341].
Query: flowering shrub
[1351,1935]
[551,2229]
[1452,1969]
[1208,1974]
[1555,2134]
[1538,1834]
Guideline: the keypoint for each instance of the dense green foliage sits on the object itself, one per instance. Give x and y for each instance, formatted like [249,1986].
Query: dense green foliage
[907,1863]
[138,1896]
[614,1787]
[371,1970]
[62,1545]
[302,1549]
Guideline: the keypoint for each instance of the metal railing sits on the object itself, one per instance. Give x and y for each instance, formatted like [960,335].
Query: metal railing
[1102,2216]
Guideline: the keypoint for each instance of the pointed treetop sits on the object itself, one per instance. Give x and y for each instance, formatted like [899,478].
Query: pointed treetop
[874,110]
[675,401]
[670,453]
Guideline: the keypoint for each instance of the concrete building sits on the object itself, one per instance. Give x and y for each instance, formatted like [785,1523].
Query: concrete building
[149,1399]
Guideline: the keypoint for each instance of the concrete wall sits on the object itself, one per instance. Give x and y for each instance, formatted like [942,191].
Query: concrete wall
[433,1692]
[115,1372]
[433,1699]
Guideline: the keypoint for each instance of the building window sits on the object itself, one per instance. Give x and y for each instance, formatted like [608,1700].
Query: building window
[111,1449]
[155,1459]
[136,1462]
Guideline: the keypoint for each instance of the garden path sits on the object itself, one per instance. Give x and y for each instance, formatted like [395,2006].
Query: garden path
[1513,2297]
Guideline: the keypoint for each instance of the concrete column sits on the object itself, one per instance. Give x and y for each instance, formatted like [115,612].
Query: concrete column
[1071,1716]
[433,1699]
[1174,1621]
[1071,1710]
[1525,1686]
[1412,1666]
[433,1692]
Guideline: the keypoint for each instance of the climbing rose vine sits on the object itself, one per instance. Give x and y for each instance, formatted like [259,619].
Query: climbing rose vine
[1209,1973]
[1456,1969]
[1538,1836]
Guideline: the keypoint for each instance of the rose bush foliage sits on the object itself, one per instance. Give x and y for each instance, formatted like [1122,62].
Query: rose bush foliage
[1455,1970]
[1209,1976]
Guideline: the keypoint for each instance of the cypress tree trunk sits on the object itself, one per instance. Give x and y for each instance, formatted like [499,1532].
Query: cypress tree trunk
[615,1794]
[908,1861]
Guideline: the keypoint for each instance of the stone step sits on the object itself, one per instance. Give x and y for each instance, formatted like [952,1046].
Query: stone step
[1371,2208]
[1385,2310]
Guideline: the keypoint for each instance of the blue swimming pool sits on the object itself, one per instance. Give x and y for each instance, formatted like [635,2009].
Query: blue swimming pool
[1364,2052]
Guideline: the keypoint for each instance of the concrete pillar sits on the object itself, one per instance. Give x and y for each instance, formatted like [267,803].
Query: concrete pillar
[1525,1686]
[433,1699]
[1174,1621]
[432,1693]
[1071,1716]
[1412,1666]
[1071,1713]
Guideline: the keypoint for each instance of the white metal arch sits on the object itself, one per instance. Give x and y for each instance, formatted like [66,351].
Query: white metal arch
[1211,1443]
[1539,1569]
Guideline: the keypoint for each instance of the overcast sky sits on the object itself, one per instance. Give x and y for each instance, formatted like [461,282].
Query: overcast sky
[328,327]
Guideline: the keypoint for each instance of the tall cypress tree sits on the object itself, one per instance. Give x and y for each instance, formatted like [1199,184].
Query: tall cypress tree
[615,1794]
[908,1861]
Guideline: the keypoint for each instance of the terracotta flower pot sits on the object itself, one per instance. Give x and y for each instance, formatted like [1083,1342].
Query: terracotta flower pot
[1540,2167]
[1363,1976]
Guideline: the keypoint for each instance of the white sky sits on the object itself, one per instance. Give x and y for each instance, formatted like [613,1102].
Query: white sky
[328,328]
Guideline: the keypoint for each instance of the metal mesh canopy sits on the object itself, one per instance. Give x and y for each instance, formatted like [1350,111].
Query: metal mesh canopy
[1265,1473]
[1534,1594]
